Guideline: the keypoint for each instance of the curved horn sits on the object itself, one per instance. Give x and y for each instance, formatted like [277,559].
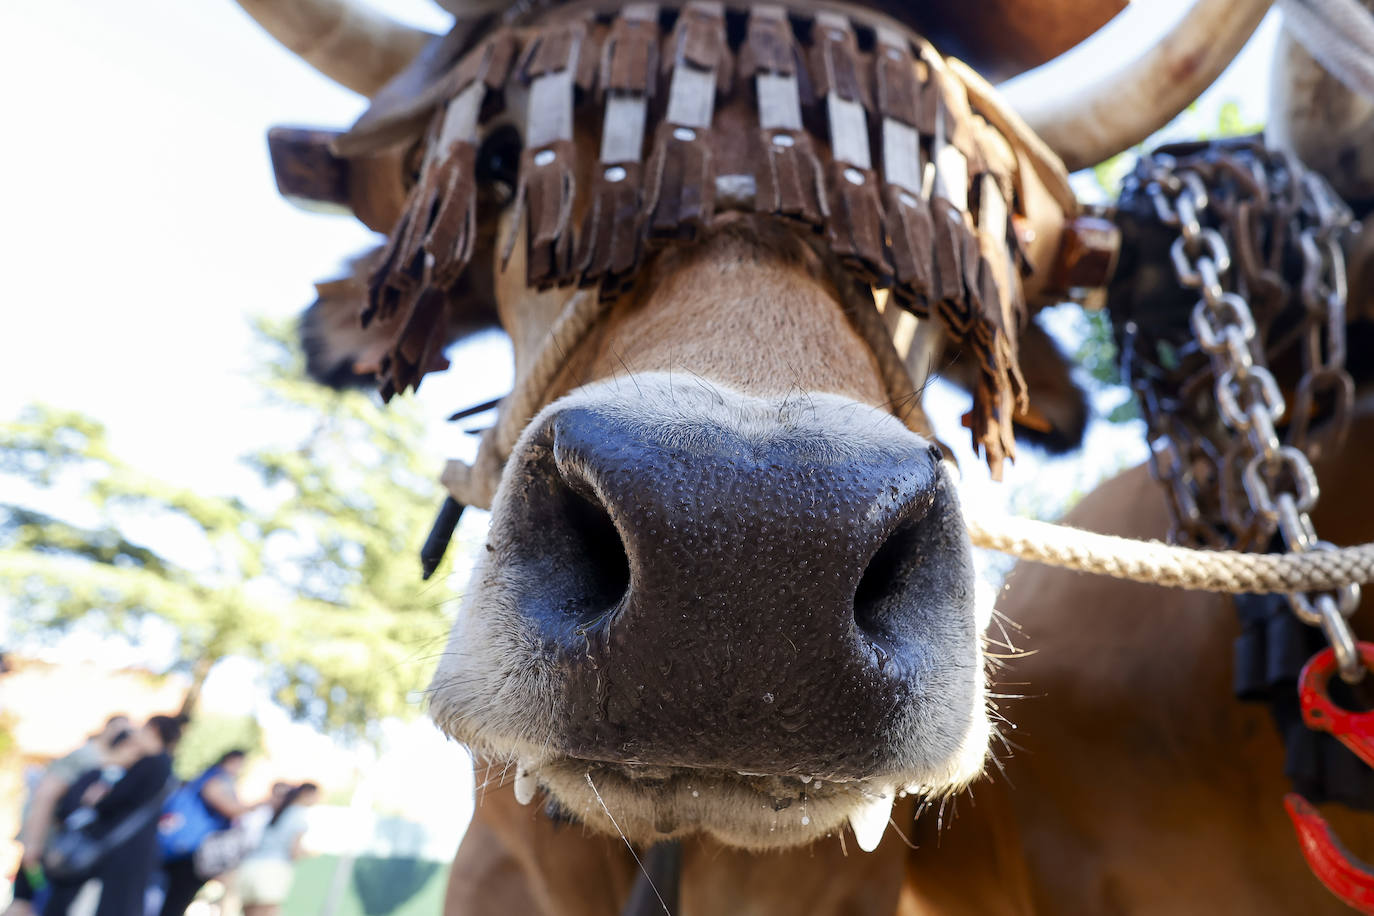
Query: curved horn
[1100,118]
[347,42]
[1325,114]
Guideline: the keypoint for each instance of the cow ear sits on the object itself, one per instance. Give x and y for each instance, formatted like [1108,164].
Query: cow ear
[1058,410]
[1058,414]
[339,352]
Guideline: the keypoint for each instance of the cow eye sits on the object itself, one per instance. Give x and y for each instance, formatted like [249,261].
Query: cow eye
[498,162]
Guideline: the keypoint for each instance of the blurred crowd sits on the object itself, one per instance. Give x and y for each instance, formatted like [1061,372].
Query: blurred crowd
[110,831]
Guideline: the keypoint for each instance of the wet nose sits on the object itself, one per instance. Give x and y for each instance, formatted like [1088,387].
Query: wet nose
[767,599]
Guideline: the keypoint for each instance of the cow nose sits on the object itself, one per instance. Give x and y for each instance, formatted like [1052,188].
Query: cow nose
[768,599]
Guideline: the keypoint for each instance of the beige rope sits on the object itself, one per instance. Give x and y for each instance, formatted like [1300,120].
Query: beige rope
[1176,567]
[475,484]
[1039,542]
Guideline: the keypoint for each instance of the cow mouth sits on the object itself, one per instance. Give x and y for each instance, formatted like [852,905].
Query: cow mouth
[647,804]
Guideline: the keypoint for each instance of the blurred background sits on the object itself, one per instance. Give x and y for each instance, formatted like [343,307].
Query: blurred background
[186,525]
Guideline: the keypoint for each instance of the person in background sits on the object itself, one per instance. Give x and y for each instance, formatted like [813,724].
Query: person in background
[125,749]
[221,800]
[252,826]
[39,813]
[256,821]
[121,878]
[264,878]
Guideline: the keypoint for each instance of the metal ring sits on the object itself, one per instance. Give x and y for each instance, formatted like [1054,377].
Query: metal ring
[1215,247]
[1210,318]
[1243,381]
[1296,525]
[1342,640]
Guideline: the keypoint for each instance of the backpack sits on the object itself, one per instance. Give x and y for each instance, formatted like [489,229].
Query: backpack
[187,820]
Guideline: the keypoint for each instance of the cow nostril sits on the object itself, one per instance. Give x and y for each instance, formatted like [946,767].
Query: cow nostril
[597,553]
[881,585]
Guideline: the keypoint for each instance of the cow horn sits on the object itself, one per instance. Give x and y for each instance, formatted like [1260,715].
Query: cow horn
[1101,117]
[346,41]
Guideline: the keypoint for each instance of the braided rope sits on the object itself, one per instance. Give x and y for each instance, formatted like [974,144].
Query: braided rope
[1158,563]
[1026,539]
[579,316]
[475,484]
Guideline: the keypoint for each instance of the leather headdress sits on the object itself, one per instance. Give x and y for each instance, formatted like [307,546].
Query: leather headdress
[864,138]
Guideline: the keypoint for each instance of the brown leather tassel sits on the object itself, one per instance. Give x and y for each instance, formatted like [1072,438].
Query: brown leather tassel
[611,232]
[929,102]
[699,39]
[949,262]
[448,243]
[1003,304]
[769,44]
[589,59]
[856,223]
[681,183]
[629,56]
[990,424]
[437,226]
[969,258]
[545,198]
[788,177]
[399,270]
[835,61]
[790,181]
[911,235]
[418,345]
[610,241]
[899,79]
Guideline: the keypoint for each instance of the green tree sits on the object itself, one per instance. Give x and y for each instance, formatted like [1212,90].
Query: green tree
[314,573]
[209,736]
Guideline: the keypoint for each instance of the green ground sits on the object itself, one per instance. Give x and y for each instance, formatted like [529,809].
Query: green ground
[376,887]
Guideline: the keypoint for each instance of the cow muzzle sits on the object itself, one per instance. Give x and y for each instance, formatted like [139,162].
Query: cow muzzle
[689,586]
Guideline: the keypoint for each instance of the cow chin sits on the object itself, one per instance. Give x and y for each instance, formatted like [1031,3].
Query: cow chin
[701,611]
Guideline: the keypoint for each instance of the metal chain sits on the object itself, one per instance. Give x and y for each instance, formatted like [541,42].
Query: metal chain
[1278,482]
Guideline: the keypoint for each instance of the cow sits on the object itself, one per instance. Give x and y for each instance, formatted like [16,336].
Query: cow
[727,596]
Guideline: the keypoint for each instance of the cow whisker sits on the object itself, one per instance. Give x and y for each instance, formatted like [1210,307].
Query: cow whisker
[628,845]
[892,822]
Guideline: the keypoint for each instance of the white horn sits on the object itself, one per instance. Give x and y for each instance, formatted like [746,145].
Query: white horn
[1321,104]
[347,42]
[1100,117]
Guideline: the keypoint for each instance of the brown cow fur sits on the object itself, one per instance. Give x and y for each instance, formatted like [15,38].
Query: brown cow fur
[1142,785]
[702,311]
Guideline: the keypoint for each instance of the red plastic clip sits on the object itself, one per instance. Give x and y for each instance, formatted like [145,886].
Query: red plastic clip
[1346,876]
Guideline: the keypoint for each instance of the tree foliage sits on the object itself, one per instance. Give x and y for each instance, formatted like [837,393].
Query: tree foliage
[209,736]
[312,571]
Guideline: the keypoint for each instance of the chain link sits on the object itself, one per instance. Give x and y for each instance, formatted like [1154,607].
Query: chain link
[1265,485]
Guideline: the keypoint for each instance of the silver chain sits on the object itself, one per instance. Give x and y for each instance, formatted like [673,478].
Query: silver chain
[1278,479]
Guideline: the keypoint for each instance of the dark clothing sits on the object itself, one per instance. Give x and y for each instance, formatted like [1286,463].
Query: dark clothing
[182,886]
[71,799]
[23,888]
[124,873]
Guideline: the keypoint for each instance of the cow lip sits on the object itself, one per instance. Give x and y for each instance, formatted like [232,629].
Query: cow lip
[775,784]
[752,811]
